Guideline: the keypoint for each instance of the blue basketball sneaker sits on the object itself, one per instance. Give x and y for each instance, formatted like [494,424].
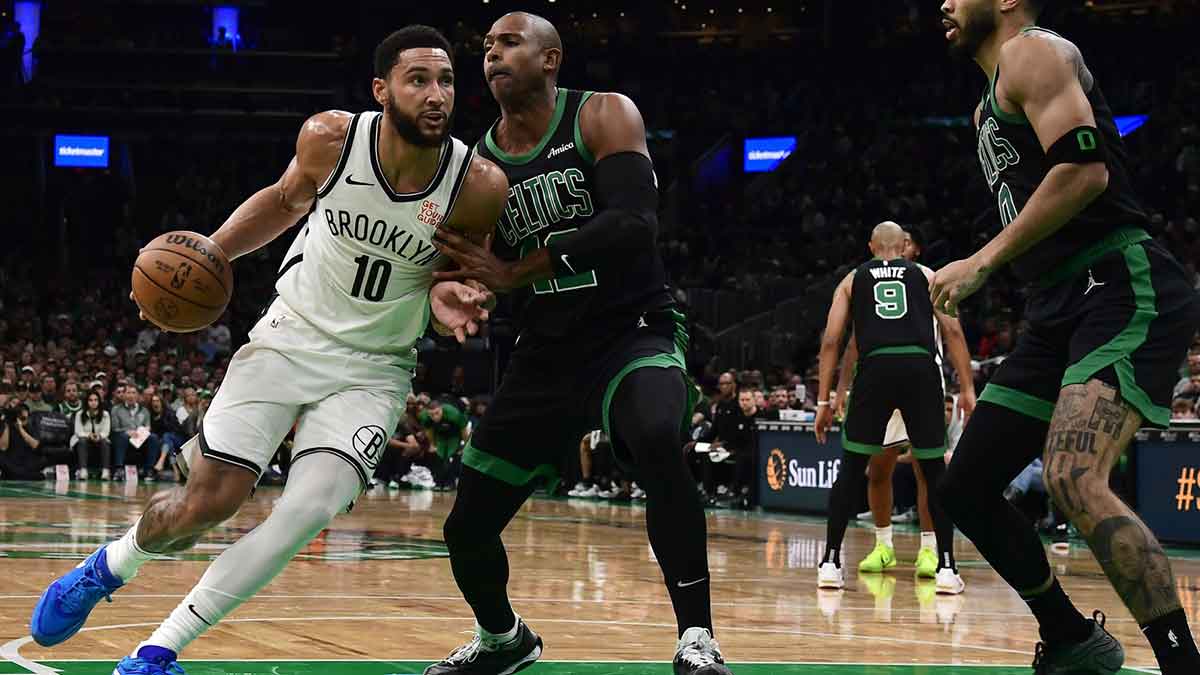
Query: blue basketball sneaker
[150,661]
[65,605]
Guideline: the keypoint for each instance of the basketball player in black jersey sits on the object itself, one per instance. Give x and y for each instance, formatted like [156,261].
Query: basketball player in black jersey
[1110,315]
[600,346]
[883,465]
[887,301]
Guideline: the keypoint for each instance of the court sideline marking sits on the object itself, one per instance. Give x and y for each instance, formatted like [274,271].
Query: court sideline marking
[10,651]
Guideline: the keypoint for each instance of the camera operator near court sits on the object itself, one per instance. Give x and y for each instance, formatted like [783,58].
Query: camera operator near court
[19,459]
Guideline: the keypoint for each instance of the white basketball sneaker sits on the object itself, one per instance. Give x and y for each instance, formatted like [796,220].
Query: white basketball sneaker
[830,576]
[949,582]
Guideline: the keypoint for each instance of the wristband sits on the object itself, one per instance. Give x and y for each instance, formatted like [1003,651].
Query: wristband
[821,403]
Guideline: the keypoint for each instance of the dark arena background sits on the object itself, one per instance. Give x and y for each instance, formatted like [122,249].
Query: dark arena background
[781,133]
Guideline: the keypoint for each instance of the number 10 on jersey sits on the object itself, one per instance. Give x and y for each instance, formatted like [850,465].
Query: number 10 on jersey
[374,274]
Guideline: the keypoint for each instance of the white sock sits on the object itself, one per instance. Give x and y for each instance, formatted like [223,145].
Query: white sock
[499,639]
[883,535]
[929,540]
[319,487]
[124,555]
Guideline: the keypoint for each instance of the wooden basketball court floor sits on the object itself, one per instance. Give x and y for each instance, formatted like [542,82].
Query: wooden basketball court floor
[373,595]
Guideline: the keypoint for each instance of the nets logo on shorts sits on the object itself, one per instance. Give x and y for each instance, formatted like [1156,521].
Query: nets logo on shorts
[369,442]
[776,469]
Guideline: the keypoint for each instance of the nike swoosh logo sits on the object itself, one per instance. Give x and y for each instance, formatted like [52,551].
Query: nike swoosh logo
[564,259]
[350,181]
[192,609]
[690,583]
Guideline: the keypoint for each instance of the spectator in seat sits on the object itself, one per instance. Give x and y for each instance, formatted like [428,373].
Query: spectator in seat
[127,418]
[446,427]
[402,449]
[1183,410]
[46,397]
[53,431]
[71,404]
[92,429]
[165,425]
[19,459]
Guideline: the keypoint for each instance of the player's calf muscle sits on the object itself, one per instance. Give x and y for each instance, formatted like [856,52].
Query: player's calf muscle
[175,519]
[1091,427]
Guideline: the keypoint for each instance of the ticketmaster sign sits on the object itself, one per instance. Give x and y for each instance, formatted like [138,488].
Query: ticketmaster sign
[86,151]
[764,154]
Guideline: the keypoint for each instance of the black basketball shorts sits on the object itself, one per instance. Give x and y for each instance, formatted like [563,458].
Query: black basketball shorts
[909,382]
[555,391]
[1126,319]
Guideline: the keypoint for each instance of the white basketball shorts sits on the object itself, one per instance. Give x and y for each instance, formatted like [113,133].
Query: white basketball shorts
[341,401]
[896,433]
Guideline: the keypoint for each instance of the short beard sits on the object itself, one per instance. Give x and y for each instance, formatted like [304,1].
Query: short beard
[407,127]
[973,32]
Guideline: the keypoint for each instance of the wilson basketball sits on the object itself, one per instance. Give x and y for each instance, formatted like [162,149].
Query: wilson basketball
[182,281]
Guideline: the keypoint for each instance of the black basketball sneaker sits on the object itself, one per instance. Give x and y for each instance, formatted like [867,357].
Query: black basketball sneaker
[1099,654]
[483,657]
[699,654]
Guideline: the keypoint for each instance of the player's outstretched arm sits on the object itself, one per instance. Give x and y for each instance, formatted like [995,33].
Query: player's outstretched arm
[1042,79]
[831,342]
[273,209]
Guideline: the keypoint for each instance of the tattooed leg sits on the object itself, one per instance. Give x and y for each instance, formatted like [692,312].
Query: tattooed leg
[175,519]
[1090,430]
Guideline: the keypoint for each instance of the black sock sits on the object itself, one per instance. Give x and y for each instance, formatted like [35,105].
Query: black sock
[932,471]
[1173,645]
[645,415]
[832,555]
[851,477]
[1058,620]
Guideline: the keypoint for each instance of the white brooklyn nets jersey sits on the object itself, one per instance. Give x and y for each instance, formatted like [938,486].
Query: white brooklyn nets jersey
[361,266]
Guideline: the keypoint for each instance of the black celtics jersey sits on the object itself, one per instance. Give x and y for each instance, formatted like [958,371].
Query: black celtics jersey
[1014,165]
[551,193]
[890,306]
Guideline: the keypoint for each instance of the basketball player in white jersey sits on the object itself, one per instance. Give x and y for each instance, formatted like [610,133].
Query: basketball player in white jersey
[882,466]
[334,351]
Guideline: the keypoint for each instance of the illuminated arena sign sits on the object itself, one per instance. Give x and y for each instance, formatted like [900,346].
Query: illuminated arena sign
[85,151]
[765,154]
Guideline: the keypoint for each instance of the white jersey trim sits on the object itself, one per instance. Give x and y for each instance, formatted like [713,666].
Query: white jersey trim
[443,164]
[342,159]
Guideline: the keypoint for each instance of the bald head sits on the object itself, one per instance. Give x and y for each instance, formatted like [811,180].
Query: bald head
[538,28]
[522,57]
[887,240]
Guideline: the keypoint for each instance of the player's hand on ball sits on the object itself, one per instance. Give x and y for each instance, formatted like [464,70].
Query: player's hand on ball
[956,282]
[824,421]
[458,307]
[474,261]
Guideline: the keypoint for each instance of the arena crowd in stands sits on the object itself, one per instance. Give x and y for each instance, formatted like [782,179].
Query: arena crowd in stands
[883,133]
